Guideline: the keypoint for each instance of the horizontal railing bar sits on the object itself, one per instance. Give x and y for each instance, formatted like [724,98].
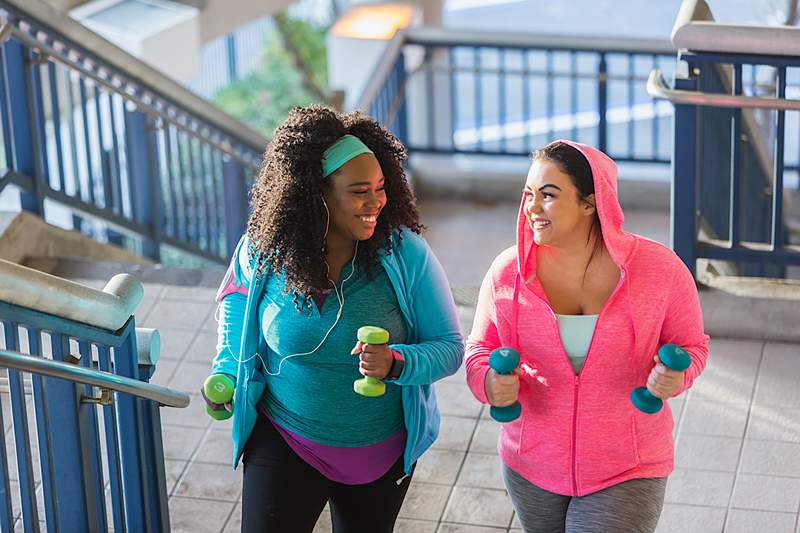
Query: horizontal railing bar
[39,320]
[440,68]
[748,251]
[482,151]
[704,57]
[96,378]
[657,88]
[446,37]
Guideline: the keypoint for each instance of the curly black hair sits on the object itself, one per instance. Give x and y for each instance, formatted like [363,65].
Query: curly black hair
[287,221]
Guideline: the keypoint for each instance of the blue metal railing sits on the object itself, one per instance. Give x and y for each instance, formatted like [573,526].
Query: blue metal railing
[730,168]
[85,133]
[506,95]
[70,422]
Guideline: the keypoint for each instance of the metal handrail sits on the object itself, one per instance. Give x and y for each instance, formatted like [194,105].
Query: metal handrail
[695,29]
[658,88]
[108,309]
[510,40]
[97,378]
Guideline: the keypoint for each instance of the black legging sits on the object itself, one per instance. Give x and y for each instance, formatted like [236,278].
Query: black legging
[281,493]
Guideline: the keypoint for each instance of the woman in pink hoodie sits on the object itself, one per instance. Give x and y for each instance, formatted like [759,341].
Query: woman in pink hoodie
[587,305]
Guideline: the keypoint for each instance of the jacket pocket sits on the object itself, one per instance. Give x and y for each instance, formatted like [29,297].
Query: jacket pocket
[654,437]
[608,450]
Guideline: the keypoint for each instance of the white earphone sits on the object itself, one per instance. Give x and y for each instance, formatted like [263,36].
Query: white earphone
[339,291]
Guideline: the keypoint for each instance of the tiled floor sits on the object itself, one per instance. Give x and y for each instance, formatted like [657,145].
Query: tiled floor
[737,432]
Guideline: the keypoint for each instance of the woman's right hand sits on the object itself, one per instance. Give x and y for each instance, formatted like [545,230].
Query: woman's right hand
[502,389]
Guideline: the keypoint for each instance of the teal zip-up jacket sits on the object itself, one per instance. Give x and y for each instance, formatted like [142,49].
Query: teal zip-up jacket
[435,347]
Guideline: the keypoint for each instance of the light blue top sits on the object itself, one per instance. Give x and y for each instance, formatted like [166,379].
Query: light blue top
[576,336]
[434,348]
[328,373]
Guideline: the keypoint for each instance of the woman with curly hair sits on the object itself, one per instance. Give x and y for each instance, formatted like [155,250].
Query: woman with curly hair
[332,244]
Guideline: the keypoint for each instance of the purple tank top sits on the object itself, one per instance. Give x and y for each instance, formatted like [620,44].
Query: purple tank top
[355,465]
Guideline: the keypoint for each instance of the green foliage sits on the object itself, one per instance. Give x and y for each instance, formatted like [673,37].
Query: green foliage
[263,98]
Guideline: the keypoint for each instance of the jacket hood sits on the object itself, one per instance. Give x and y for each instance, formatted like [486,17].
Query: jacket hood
[618,242]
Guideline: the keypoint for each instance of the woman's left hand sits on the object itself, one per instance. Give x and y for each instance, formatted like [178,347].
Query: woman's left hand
[376,359]
[663,382]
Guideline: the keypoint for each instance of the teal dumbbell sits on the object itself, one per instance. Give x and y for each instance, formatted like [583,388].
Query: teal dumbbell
[505,361]
[218,389]
[673,357]
[369,386]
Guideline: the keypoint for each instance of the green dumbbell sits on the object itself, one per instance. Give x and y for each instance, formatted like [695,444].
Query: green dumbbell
[218,389]
[672,356]
[505,361]
[368,386]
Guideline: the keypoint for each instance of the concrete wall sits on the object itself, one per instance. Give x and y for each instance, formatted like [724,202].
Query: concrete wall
[23,236]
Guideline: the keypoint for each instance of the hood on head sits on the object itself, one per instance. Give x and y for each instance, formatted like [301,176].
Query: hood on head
[604,174]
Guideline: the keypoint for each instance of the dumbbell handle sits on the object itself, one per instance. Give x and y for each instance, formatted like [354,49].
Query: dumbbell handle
[504,361]
[673,357]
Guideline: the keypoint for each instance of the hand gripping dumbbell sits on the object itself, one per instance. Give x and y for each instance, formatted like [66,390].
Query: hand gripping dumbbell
[369,386]
[218,390]
[673,357]
[505,361]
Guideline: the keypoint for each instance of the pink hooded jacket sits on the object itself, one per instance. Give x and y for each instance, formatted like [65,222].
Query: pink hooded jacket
[580,434]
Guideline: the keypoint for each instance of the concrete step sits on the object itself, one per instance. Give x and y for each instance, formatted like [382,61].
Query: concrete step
[82,269]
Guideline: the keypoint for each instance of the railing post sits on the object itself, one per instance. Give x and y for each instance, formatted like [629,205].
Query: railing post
[138,512]
[683,210]
[234,192]
[602,103]
[230,52]
[20,106]
[68,493]
[141,146]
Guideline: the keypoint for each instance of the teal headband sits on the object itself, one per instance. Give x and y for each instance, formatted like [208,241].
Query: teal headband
[341,152]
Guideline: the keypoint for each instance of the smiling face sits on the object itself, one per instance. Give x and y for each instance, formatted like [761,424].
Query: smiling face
[355,196]
[555,212]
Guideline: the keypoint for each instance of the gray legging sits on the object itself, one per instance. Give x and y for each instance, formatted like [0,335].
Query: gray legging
[632,506]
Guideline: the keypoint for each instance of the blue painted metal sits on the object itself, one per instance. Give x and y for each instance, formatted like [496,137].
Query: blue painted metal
[140,143]
[740,193]
[43,432]
[551,90]
[20,108]
[73,505]
[478,100]
[235,203]
[5,116]
[113,457]
[27,482]
[777,237]
[734,214]
[501,91]
[78,155]
[6,512]
[90,437]
[683,230]
[230,49]
[37,116]
[602,104]
[129,417]
[69,434]
[56,118]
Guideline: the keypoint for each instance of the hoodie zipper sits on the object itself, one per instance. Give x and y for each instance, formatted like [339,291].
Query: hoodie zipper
[576,389]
